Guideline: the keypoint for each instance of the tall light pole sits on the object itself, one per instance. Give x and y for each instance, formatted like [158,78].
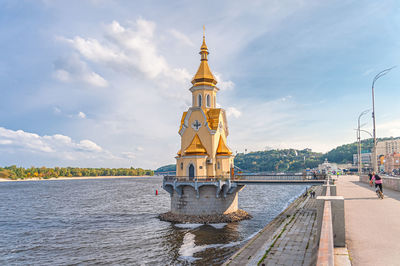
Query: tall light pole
[380,74]
[359,140]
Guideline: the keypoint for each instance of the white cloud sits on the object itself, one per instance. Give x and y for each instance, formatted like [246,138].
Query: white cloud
[139,148]
[21,141]
[233,112]
[128,155]
[89,145]
[81,115]
[128,50]
[73,69]
[226,85]
[181,37]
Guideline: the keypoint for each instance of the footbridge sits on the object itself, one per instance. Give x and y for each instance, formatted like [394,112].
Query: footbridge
[246,179]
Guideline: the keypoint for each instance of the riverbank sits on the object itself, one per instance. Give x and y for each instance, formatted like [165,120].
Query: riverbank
[69,178]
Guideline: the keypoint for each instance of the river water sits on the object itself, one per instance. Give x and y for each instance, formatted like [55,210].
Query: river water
[114,222]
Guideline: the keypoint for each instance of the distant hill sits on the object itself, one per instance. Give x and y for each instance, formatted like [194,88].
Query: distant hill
[166,168]
[292,160]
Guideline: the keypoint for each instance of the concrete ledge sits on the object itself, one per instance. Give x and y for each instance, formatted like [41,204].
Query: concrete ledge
[388,182]
[325,251]
[342,257]
[338,222]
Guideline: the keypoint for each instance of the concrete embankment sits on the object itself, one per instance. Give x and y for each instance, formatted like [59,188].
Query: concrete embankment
[290,239]
[389,182]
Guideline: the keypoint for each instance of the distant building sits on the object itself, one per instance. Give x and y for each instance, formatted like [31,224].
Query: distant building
[385,151]
[392,162]
[387,147]
[366,158]
[327,167]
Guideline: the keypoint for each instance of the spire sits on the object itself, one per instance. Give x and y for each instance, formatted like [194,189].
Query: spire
[204,75]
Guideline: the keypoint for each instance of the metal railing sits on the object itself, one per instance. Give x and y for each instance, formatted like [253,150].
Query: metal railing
[196,178]
[279,177]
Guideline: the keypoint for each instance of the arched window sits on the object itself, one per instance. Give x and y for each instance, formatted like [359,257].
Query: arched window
[199,100]
[218,165]
[208,100]
[193,100]
[181,166]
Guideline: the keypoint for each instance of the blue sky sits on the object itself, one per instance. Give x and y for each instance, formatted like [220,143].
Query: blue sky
[103,83]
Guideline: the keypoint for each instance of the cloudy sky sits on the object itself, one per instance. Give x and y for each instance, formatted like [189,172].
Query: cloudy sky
[103,83]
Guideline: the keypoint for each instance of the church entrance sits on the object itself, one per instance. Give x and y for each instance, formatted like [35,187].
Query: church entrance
[191,172]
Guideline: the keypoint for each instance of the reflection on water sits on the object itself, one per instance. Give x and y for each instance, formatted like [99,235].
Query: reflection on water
[114,221]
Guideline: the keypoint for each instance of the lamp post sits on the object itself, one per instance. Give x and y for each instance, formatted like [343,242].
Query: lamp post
[380,74]
[359,141]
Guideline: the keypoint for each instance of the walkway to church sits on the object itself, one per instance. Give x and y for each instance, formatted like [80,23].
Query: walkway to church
[372,225]
[290,239]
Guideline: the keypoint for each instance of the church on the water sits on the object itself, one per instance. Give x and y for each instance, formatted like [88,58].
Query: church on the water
[204,130]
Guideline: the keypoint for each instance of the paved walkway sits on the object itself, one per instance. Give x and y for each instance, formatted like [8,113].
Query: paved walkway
[290,239]
[372,225]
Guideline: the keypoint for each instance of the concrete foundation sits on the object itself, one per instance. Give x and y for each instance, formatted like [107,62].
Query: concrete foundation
[216,197]
[206,204]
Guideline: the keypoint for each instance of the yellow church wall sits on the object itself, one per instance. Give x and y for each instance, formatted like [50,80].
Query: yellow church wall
[204,93]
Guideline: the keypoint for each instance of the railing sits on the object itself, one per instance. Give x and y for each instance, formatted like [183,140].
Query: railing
[172,178]
[280,177]
[196,179]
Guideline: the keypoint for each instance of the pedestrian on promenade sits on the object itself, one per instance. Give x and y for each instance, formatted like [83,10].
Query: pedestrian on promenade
[370,176]
[378,181]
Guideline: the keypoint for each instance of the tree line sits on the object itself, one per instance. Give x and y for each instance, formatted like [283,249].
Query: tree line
[14,172]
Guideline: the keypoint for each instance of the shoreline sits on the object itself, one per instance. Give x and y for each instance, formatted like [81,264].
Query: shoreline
[71,178]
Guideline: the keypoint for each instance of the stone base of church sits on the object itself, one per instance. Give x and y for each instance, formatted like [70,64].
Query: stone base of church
[203,202]
[236,216]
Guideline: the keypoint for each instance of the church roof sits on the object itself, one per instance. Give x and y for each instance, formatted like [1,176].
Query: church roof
[195,147]
[204,75]
[182,120]
[222,149]
[213,118]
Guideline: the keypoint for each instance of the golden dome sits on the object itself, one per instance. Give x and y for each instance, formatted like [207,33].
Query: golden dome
[196,147]
[204,75]
[222,148]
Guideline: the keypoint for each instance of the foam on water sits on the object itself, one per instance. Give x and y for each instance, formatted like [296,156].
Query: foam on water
[218,226]
[188,226]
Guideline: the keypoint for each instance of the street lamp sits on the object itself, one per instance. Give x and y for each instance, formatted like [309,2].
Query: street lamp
[380,74]
[359,141]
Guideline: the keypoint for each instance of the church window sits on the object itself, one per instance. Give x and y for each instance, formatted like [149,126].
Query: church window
[208,100]
[193,100]
[199,100]
[218,165]
[181,166]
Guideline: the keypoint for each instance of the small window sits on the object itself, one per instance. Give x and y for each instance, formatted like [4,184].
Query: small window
[218,165]
[201,167]
[199,100]
[181,166]
[208,100]
[193,100]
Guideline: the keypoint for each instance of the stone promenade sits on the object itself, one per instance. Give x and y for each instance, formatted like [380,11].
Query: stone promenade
[290,239]
[372,225]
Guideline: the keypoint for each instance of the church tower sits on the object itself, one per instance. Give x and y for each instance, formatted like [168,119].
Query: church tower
[203,189]
[204,130]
